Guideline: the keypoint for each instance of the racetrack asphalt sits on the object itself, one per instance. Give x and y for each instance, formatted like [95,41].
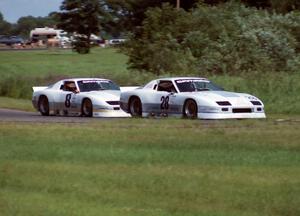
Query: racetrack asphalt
[9,115]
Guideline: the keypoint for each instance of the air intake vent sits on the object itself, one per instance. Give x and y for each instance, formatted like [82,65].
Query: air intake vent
[113,102]
[242,110]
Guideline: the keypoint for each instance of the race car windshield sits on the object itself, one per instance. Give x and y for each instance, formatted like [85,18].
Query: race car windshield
[97,85]
[192,85]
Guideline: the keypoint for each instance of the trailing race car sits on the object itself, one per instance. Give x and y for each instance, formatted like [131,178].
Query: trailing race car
[80,97]
[190,97]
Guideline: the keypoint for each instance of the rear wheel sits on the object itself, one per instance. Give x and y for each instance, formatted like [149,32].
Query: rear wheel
[43,105]
[190,109]
[135,107]
[87,108]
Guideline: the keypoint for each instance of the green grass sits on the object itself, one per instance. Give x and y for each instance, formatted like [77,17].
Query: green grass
[161,167]
[20,70]
[151,167]
[279,92]
[65,63]
[12,103]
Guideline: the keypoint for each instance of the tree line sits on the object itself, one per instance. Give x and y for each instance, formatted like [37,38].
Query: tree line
[116,16]
[228,39]
[25,24]
[217,36]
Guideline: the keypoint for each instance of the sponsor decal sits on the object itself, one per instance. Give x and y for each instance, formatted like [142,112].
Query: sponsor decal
[95,81]
[191,80]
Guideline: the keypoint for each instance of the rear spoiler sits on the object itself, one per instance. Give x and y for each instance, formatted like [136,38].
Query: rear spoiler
[38,88]
[128,88]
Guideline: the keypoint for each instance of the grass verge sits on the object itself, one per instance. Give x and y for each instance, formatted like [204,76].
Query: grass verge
[13,103]
[150,167]
[20,70]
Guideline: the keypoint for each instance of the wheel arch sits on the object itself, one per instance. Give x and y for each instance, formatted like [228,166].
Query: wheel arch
[134,96]
[86,98]
[42,95]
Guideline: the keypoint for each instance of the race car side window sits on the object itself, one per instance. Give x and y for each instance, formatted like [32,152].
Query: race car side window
[69,86]
[166,86]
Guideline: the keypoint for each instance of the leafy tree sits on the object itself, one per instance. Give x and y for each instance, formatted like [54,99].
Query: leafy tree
[5,27]
[81,17]
[25,25]
[158,48]
[277,5]
[130,14]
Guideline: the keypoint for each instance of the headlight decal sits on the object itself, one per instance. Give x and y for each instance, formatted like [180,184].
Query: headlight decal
[256,103]
[223,103]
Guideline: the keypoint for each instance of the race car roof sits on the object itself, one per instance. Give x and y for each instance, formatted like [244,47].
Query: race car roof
[84,79]
[59,83]
[181,78]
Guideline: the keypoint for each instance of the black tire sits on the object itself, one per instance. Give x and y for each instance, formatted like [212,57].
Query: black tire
[190,109]
[43,105]
[135,107]
[87,108]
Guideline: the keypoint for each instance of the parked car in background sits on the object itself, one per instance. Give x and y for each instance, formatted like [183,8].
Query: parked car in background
[115,42]
[11,40]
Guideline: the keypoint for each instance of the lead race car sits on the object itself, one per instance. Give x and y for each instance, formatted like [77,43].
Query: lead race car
[190,97]
[80,97]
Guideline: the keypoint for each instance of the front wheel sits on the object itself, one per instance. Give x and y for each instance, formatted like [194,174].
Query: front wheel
[190,109]
[135,107]
[87,108]
[43,105]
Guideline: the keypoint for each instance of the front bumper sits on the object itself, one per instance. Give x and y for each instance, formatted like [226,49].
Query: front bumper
[110,113]
[231,115]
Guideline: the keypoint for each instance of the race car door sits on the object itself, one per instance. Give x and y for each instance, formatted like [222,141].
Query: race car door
[164,95]
[66,99]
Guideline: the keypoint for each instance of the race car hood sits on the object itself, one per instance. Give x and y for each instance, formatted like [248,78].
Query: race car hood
[107,95]
[236,99]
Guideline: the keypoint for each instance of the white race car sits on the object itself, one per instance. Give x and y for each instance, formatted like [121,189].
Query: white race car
[190,97]
[80,97]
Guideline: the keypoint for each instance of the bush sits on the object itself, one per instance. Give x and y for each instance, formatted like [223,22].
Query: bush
[226,39]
